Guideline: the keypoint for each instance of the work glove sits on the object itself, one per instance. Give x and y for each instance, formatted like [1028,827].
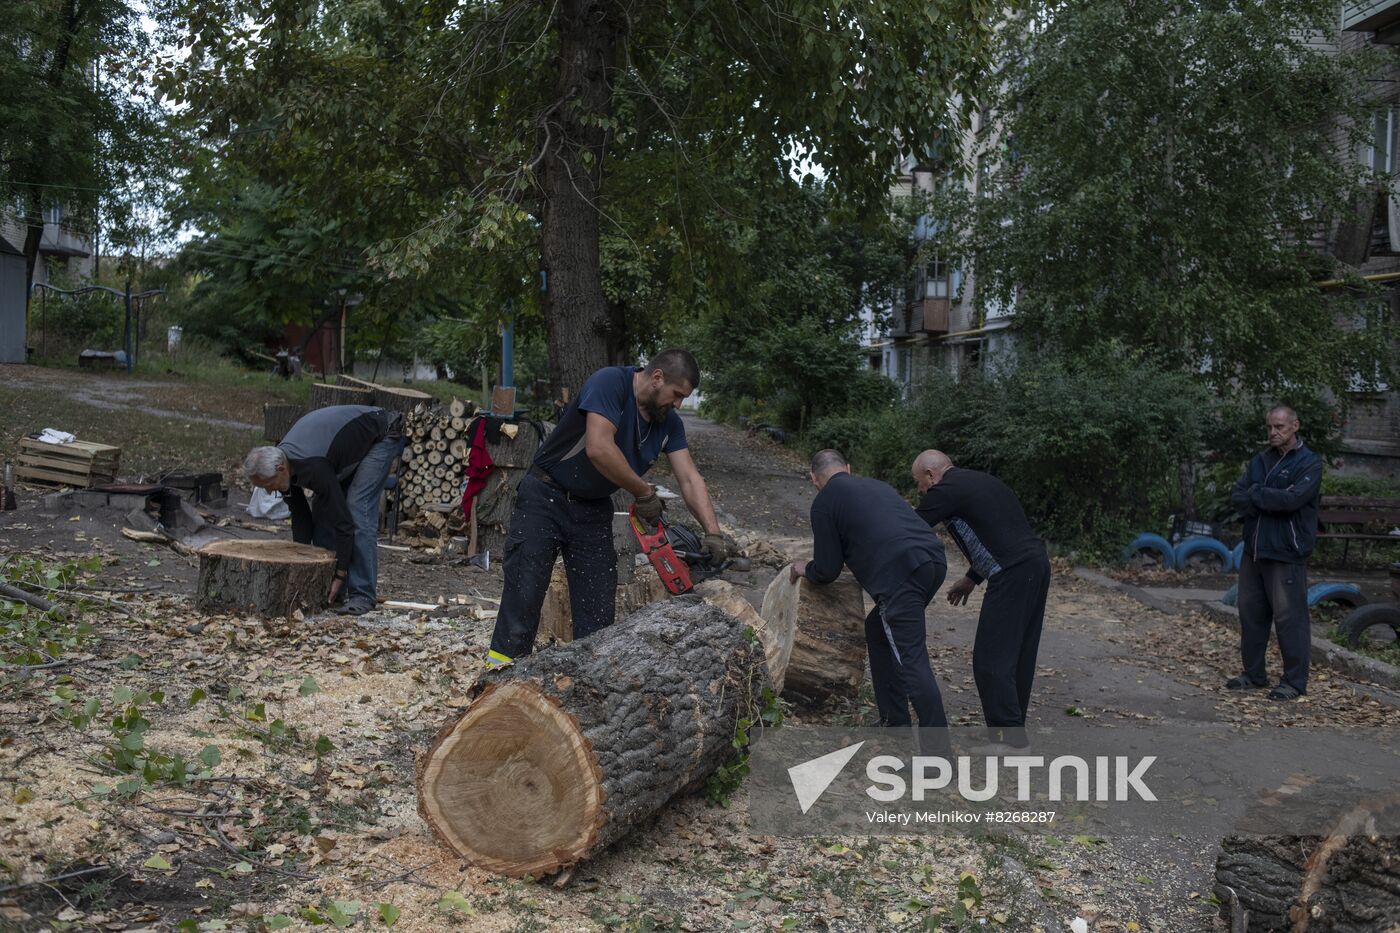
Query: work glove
[716,549]
[649,508]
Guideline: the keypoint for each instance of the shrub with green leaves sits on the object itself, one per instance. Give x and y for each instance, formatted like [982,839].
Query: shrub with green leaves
[1091,447]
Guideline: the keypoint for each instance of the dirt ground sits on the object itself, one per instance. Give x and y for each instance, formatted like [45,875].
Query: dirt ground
[305,811]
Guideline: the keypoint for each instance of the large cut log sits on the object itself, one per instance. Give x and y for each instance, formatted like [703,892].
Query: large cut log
[269,578]
[343,380]
[564,752]
[278,420]
[323,395]
[1346,882]
[828,646]
[777,643]
[400,399]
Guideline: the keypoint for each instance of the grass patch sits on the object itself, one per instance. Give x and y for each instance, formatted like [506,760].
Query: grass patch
[150,443]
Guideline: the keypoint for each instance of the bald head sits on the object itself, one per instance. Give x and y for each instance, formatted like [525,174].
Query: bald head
[826,464]
[929,468]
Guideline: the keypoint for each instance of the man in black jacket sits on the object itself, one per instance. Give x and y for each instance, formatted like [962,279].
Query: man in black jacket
[866,525]
[986,520]
[1277,496]
[342,454]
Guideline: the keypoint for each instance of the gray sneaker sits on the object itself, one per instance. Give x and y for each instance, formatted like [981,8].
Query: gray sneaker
[354,606]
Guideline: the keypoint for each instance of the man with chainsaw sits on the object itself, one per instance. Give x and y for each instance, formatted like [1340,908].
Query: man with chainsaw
[866,525]
[607,438]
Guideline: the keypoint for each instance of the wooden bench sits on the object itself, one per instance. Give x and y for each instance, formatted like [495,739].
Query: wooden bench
[1369,520]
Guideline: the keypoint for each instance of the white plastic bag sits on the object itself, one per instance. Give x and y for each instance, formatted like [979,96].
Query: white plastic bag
[266,504]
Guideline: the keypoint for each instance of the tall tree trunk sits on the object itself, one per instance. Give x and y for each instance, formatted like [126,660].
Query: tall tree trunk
[1186,479]
[576,314]
[73,15]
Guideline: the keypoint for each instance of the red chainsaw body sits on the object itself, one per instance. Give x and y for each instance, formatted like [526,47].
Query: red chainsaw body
[674,573]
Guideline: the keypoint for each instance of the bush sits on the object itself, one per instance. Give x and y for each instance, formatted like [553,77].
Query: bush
[1090,447]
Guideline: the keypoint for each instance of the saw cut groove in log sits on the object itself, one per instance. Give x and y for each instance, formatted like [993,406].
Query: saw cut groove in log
[270,578]
[827,658]
[564,752]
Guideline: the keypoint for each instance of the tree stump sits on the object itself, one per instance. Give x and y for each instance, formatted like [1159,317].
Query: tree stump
[777,642]
[324,395]
[519,452]
[269,578]
[1346,882]
[828,646]
[278,420]
[563,752]
[399,399]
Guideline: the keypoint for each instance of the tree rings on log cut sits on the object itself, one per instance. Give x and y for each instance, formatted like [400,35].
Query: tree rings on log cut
[565,751]
[270,578]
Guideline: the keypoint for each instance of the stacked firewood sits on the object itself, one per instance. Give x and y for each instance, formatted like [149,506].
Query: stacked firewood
[434,455]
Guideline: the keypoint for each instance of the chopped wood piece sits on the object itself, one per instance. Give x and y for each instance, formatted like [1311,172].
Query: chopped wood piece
[828,648]
[270,578]
[562,753]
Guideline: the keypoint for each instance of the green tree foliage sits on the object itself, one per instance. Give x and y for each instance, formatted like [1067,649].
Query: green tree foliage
[79,129]
[1089,447]
[782,326]
[1161,174]
[445,143]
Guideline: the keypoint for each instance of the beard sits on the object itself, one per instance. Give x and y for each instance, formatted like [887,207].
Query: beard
[652,408]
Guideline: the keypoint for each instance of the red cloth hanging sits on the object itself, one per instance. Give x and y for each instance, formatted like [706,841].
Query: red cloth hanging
[479,467]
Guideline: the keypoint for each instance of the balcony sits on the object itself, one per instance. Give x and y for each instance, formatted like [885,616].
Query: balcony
[930,316]
[1370,15]
[60,240]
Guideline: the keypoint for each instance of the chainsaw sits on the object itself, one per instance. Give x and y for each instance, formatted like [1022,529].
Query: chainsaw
[678,556]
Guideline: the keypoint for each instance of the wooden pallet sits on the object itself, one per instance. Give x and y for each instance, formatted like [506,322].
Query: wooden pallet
[80,463]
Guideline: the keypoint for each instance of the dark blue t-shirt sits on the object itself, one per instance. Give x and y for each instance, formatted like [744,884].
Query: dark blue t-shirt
[607,392]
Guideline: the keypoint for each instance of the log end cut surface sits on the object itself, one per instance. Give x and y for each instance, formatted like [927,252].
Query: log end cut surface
[513,786]
[281,552]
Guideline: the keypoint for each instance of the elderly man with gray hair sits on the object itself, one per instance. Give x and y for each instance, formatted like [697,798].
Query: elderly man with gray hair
[342,454]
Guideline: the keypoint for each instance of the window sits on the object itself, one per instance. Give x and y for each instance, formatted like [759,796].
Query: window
[54,214]
[1380,157]
[936,281]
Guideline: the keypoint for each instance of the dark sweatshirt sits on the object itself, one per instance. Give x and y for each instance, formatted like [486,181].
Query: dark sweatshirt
[324,448]
[985,519]
[867,526]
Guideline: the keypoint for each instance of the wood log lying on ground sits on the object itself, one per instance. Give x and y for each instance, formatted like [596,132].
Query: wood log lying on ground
[400,399]
[270,578]
[278,420]
[324,395]
[828,647]
[1347,882]
[562,753]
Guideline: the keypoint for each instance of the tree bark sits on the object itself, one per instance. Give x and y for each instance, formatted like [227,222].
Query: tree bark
[576,314]
[564,752]
[828,648]
[1347,882]
[269,578]
[776,641]
[323,395]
